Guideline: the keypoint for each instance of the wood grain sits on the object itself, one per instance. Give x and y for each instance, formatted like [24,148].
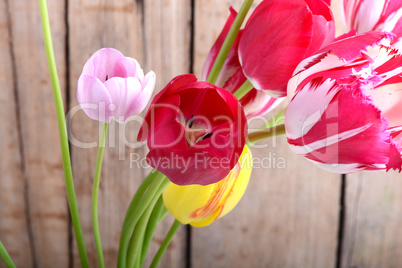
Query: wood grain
[46,205]
[372,236]
[289,214]
[13,219]
[157,34]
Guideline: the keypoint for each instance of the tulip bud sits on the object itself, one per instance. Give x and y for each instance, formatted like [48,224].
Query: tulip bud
[199,206]
[112,86]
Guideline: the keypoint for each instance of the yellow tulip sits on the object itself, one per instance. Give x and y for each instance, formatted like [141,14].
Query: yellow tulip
[199,205]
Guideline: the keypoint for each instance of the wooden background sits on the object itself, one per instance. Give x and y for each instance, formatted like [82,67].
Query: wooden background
[297,216]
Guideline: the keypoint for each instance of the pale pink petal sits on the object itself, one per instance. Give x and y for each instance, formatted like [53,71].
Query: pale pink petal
[94,98]
[124,93]
[101,63]
[128,67]
[148,85]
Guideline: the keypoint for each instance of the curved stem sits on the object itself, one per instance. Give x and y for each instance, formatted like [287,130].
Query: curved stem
[175,226]
[157,215]
[6,257]
[243,89]
[133,205]
[265,133]
[135,215]
[135,248]
[278,119]
[72,200]
[138,195]
[95,194]
[227,44]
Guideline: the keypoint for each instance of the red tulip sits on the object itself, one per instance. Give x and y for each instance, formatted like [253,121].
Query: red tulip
[231,77]
[195,131]
[345,112]
[280,34]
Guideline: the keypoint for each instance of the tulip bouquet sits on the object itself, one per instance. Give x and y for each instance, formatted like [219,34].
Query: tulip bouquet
[343,113]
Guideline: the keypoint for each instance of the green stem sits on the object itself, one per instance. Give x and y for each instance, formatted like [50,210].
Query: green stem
[135,248]
[135,215]
[227,44]
[276,120]
[138,195]
[6,257]
[175,226]
[243,89]
[95,194]
[157,215]
[72,200]
[265,133]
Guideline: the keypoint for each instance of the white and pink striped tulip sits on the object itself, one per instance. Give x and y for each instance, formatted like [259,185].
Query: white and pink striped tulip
[231,77]
[373,15]
[345,110]
[113,86]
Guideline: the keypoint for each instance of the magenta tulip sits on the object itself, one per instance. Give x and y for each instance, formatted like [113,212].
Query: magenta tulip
[112,86]
[231,77]
[345,112]
[195,131]
[280,34]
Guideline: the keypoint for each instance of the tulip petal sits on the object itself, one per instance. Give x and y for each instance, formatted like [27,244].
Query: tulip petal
[128,67]
[323,34]
[94,98]
[124,93]
[347,130]
[258,103]
[148,85]
[101,64]
[272,44]
[351,48]
[184,167]
[201,205]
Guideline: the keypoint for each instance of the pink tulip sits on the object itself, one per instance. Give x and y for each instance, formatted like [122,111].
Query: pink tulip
[280,34]
[373,15]
[345,112]
[231,77]
[195,131]
[112,86]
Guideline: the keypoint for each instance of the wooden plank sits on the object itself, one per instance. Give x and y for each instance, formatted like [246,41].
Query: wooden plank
[157,34]
[46,198]
[288,216]
[13,220]
[372,236]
